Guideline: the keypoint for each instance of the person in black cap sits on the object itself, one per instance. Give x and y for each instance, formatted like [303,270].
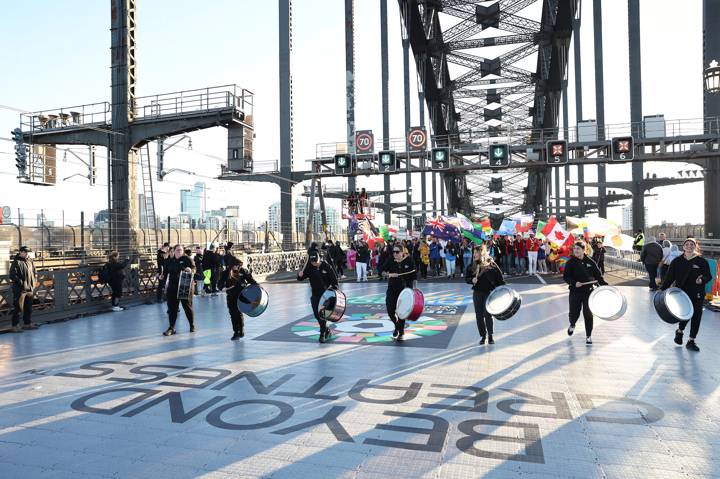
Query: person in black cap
[160,258]
[690,272]
[22,275]
[234,279]
[401,273]
[211,262]
[321,276]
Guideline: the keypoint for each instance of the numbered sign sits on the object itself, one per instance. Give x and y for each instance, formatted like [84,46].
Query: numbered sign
[364,142]
[417,138]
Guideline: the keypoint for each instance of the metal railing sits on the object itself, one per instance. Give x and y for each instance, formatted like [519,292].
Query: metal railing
[73,116]
[69,293]
[193,101]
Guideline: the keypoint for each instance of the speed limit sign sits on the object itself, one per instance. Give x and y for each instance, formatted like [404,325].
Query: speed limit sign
[364,142]
[417,138]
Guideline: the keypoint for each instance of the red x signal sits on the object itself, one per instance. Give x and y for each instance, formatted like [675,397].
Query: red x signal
[557,150]
[623,146]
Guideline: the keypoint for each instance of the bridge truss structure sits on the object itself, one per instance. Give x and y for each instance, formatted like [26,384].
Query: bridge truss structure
[491,70]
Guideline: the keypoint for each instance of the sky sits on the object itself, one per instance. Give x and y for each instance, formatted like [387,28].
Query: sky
[56,54]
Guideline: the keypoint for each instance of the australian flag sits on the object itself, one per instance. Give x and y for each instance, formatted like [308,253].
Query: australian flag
[439,228]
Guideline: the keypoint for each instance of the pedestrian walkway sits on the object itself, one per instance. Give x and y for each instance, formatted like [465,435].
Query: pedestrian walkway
[109,396]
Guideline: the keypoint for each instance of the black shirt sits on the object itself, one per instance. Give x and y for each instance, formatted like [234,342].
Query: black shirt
[582,270]
[488,280]
[406,270]
[363,254]
[684,273]
[235,284]
[173,268]
[321,277]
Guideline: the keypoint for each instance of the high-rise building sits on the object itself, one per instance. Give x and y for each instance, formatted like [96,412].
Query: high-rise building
[627,219]
[301,215]
[192,202]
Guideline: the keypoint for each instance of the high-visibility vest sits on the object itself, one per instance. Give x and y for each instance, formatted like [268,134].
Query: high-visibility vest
[640,240]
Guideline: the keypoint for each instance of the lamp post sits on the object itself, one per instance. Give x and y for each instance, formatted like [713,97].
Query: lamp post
[711,75]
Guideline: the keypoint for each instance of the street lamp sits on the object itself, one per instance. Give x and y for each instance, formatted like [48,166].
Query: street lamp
[712,78]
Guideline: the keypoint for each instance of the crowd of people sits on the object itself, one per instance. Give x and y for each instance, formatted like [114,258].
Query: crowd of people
[515,256]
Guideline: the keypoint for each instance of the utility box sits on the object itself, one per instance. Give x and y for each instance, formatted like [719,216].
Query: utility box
[240,159]
[654,126]
[587,130]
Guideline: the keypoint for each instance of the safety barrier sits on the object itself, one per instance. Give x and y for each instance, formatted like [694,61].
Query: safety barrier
[69,293]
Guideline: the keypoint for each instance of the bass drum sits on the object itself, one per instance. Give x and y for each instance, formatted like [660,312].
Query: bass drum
[673,305]
[253,300]
[503,302]
[608,303]
[410,304]
[333,303]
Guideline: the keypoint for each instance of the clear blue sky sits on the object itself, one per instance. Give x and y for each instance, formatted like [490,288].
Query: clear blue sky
[57,54]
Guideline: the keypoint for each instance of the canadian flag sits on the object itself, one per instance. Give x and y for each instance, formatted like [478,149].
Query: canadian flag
[556,234]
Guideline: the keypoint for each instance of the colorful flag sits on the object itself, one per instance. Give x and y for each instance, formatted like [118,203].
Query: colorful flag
[507,227]
[555,233]
[523,223]
[539,234]
[439,228]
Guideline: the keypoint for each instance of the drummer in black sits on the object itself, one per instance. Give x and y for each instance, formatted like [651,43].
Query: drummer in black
[485,276]
[234,279]
[690,273]
[581,273]
[400,271]
[321,276]
[174,265]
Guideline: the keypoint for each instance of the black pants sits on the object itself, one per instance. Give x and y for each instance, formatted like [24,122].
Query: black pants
[652,270]
[339,267]
[391,305]
[174,308]
[695,320]
[236,316]
[579,300]
[314,303]
[423,270]
[22,303]
[160,290]
[116,288]
[482,317]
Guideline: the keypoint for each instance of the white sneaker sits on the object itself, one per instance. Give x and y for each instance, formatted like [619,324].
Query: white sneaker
[116,308]
[588,341]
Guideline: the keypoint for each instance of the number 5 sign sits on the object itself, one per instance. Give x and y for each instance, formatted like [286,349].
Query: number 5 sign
[364,142]
[417,138]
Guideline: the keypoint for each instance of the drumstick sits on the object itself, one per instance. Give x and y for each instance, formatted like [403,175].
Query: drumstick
[589,282]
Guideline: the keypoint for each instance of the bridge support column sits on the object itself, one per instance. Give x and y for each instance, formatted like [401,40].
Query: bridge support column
[121,186]
[638,201]
[711,108]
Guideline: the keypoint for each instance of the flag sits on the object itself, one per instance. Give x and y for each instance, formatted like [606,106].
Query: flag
[485,226]
[476,236]
[507,227]
[464,222]
[386,231]
[555,233]
[523,223]
[539,235]
[439,228]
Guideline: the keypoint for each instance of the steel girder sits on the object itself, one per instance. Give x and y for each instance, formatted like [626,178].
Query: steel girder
[494,96]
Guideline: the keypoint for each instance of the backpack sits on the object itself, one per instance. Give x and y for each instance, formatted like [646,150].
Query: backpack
[104,276]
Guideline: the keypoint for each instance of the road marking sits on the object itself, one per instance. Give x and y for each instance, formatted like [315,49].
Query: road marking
[542,280]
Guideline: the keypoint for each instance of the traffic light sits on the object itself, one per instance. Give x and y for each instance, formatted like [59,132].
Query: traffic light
[557,152]
[20,152]
[343,164]
[440,158]
[623,148]
[387,162]
[499,156]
